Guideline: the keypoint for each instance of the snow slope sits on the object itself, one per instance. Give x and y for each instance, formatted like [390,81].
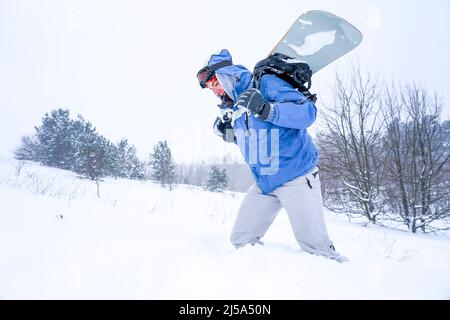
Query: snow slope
[139,241]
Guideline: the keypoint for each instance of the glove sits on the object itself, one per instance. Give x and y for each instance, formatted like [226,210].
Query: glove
[223,129]
[255,103]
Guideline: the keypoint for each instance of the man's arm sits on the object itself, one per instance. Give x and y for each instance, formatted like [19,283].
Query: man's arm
[289,107]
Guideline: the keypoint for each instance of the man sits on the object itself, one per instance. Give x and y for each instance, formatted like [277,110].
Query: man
[269,125]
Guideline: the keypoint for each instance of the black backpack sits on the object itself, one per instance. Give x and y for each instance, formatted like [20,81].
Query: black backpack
[297,74]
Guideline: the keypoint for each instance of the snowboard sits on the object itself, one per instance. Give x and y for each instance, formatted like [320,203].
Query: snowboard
[318,38]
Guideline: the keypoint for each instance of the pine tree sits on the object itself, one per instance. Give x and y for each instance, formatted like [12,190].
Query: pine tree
[96,165]
[218,180]
[92,153]
[76,145]
[83,135]
[129,165]
[122,149]
[112,165]
[163,166]
[134,168]
[112,160]
[54,138]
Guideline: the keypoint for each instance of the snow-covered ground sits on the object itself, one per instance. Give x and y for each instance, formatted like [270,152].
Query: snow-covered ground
[139,241]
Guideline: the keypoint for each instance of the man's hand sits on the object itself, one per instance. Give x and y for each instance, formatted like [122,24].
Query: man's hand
[255,103]
[223,130]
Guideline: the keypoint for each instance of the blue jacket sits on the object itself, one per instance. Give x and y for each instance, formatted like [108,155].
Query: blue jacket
[280,148]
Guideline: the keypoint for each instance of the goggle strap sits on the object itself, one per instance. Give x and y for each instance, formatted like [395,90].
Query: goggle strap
[219,65]
[216,66]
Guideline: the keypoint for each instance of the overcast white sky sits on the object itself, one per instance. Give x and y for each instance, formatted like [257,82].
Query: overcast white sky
[129,66]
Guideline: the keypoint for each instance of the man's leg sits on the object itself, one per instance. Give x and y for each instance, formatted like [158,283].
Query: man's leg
[302,199]
[255,215]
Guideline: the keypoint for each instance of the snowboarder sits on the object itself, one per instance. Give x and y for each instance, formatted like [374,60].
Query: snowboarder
[270,127]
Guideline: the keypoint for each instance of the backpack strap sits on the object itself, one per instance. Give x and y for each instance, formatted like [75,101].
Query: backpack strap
[297,74]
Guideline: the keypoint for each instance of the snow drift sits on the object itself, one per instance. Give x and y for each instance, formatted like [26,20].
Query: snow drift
[58,240]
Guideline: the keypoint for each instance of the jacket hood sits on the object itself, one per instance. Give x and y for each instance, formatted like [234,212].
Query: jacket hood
[234,79]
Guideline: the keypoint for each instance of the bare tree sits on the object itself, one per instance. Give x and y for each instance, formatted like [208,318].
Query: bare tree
[28,149]
[350,147]
[416,158]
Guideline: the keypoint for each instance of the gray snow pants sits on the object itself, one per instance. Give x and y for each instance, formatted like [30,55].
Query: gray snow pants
[302,199]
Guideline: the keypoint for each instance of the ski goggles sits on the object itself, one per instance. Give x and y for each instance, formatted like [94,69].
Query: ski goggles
[206,73]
